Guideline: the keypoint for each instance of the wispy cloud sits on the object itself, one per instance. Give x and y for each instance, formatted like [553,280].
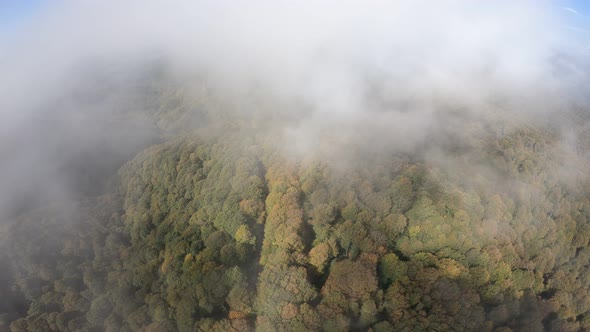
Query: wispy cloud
[571,10]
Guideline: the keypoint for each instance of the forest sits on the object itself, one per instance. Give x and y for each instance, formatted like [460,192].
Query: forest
[294,166]
[215,228]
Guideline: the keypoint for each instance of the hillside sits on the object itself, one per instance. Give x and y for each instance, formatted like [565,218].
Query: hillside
[206,165]
[218,230]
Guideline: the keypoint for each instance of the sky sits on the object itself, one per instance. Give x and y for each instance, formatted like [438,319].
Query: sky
[16,12]
[17,15]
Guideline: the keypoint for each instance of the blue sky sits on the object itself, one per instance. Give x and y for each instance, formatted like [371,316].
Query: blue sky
[14,13]
[579,10]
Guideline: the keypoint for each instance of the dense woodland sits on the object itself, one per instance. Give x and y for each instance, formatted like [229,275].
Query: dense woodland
[216,228]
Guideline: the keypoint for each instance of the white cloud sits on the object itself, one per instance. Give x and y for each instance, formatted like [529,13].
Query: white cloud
[388,65]
[571,10]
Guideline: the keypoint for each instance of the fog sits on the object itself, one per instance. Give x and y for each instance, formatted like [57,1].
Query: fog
[386,73]
[483,106]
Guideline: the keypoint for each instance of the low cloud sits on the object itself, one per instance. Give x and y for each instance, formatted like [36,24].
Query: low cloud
[380,73]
